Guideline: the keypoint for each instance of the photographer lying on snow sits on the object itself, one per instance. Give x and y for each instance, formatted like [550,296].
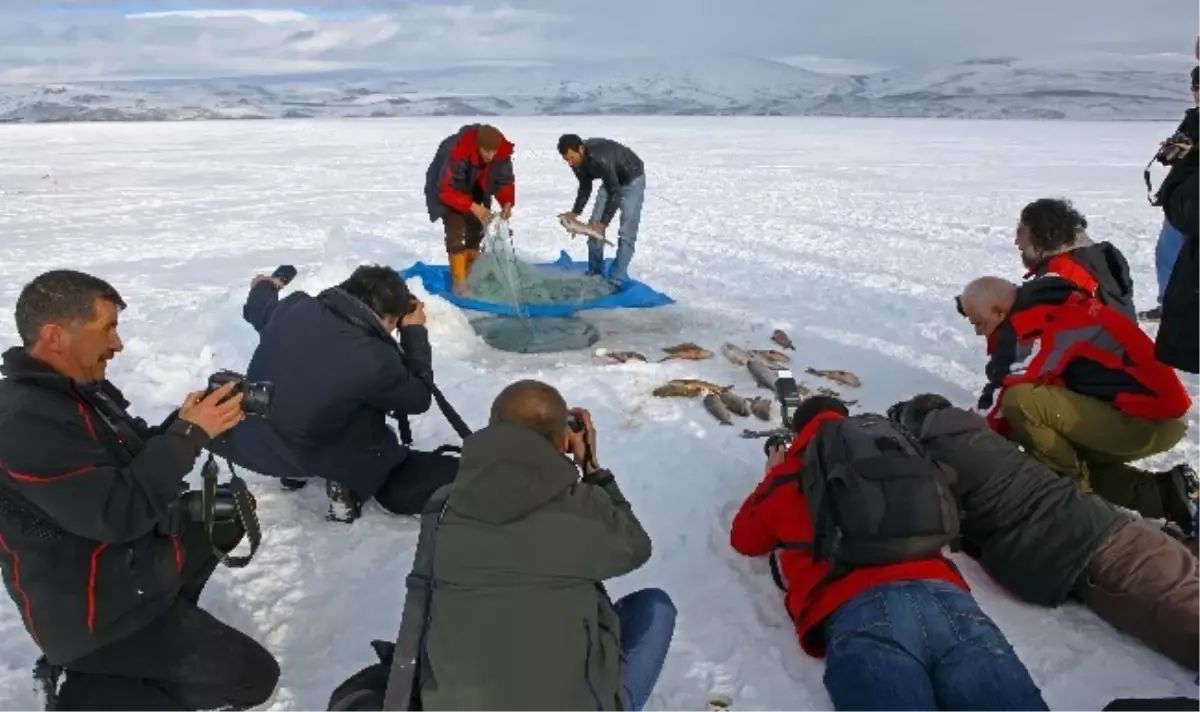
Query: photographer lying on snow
[872,593]
[98,550]
[337,373]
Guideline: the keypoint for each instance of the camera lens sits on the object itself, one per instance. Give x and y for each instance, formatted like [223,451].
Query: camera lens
[256,398]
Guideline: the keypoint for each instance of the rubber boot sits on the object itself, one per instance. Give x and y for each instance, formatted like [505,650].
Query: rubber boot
[472,255]
[458,271]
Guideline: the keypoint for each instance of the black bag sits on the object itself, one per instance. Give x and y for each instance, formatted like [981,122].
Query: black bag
[875,496]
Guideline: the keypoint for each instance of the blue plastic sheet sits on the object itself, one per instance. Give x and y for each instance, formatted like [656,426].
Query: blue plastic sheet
[632,295]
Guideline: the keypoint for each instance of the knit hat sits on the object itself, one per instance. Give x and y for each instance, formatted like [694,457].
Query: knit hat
[813,406]
[488,138]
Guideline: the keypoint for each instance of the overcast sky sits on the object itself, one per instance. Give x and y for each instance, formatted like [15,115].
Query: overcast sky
[76,39]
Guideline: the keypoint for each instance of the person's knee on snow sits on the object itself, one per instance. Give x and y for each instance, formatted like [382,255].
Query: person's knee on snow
[530,530]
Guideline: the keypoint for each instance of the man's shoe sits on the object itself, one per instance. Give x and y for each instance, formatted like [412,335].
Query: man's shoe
[291,484]
[1154,314]
[344,505]
[1178,488]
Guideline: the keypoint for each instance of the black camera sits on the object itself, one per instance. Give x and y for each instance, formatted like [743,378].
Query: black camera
[191,503]
[256,397]
[787,392]
[1173,149]
[575,423]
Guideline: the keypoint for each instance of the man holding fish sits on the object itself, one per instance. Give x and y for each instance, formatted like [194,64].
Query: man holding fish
[623,185]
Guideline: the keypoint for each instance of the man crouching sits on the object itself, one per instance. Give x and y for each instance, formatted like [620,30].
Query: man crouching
[519,617]
[903,633]
[102,564]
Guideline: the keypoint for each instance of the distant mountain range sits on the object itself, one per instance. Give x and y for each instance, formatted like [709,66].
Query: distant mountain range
[1086,87]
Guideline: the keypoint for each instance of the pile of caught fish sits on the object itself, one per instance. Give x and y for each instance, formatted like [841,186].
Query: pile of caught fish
[723,402]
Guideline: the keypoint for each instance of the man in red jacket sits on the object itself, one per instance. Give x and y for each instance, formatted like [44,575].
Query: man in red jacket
[468,169]
[1077,385]
[903,636]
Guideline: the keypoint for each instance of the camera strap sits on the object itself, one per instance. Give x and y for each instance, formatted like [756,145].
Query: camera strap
[247,513]
[1146,178]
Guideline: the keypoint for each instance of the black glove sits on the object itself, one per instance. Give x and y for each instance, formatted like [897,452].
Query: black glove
[813,406]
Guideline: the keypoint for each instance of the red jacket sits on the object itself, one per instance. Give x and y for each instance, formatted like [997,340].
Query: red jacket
[1100,270]
[463,167]
[1057,335]
[776,516]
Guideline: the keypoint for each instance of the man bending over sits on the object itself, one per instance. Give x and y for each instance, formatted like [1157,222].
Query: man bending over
[1077,385]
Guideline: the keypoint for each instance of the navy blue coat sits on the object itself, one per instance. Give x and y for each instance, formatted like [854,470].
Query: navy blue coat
[337,375]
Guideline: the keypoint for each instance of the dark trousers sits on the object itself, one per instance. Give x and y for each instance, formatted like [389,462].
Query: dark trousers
[186,659]
[463,230]
[411,483]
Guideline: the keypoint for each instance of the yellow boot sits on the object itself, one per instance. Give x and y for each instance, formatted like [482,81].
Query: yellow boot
[458,272]
[472,255]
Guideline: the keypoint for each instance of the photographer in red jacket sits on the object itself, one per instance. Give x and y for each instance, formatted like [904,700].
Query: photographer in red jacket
[899,636]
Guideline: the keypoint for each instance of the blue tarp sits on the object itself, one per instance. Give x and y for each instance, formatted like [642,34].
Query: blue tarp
[632,295]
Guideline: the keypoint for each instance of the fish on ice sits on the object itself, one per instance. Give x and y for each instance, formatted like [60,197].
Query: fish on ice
[688,388]
[716,407]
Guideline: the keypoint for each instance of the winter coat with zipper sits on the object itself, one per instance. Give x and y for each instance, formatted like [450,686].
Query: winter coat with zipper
[1033,530]
[86,552]
[1178,340]
[615,165]
[457,167]
[1096,267]
[519,618]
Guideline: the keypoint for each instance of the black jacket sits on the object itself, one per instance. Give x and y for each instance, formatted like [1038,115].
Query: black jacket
[1033,530]
[85,538]
[614,164]
[1102,262]
[337,375]
[1178,341]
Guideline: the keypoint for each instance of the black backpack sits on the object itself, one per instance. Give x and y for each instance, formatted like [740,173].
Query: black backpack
[875,497]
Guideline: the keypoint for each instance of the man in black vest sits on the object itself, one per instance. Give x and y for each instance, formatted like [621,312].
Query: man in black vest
[623,185]
[103,565]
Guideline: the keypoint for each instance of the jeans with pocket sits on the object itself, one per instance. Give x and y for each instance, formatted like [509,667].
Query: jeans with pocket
[922,645]
[1166,251]
[647,625]
[632,196]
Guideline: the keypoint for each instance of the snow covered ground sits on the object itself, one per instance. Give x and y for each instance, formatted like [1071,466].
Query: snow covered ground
[853,235]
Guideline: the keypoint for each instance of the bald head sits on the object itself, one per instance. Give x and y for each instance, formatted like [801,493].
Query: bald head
[534,405]
[987,301]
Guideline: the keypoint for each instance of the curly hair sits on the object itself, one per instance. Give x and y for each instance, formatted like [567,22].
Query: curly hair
[1053,223]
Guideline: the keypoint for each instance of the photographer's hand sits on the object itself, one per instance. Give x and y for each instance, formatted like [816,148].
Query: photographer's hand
[583,444]
[776,457]
[416,317]
[267,278]
[209,413]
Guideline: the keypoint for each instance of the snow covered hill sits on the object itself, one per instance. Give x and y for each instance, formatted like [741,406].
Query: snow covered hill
[1089,87]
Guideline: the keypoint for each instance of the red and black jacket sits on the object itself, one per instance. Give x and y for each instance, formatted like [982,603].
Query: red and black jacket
[458,175]
[774,519]
[1056,334]
[80,549]
[1100,270]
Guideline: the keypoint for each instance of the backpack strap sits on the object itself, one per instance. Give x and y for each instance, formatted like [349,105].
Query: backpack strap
[403,682]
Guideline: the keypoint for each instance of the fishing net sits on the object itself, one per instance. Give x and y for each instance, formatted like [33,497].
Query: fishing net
[500,276]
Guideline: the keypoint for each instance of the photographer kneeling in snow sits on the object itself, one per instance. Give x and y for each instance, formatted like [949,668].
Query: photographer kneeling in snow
[338,373]
[518,615]
[100,553]
[1047,541]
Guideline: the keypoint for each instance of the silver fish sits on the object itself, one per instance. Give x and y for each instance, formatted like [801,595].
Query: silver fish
[735,403]
[575,227]
[761,407]
[714,405]
[762,373]
[736,354]
[777,360]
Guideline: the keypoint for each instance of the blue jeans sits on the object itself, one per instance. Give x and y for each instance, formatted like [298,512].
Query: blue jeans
[1166,251]
[632,196]
[922,645]
[647,624]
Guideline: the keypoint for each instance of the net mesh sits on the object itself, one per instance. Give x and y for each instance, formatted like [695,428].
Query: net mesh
[500,276]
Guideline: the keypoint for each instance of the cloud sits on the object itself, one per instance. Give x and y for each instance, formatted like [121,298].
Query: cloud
[80,39]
